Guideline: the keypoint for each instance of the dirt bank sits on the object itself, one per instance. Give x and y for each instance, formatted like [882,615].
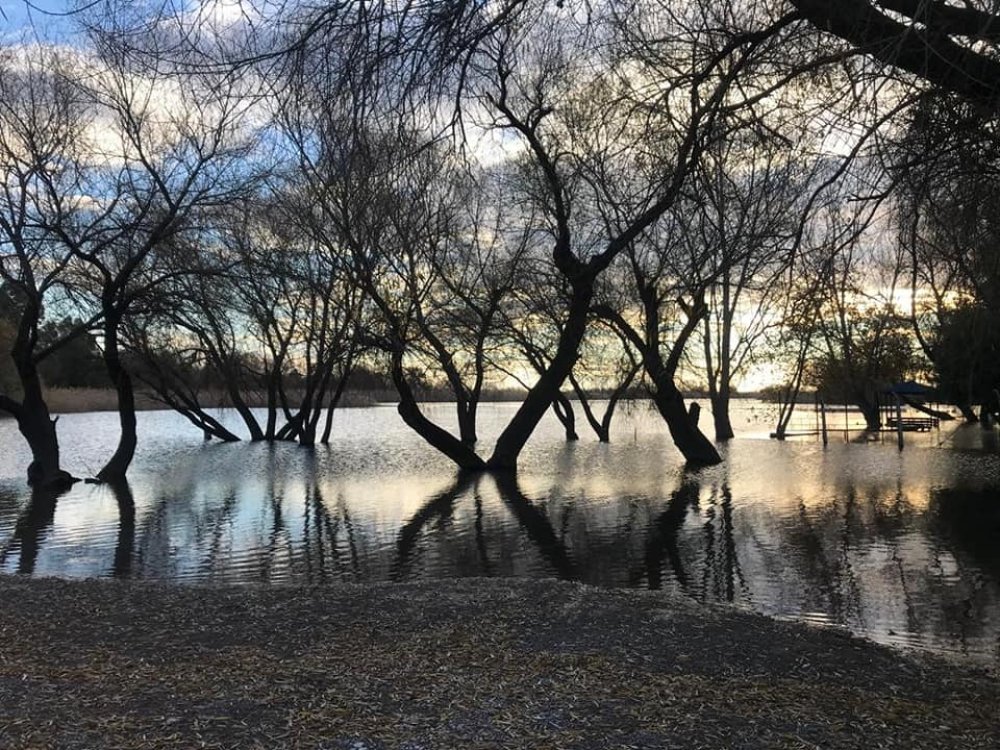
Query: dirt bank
[470,664]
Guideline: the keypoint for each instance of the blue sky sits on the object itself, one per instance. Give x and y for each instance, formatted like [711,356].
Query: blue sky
[20,14]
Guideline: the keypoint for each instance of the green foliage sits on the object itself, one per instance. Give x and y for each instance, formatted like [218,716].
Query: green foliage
[967,354]
[950,193]
[877,352]
[76,363]
[10,305]
[8,376]
[8,332]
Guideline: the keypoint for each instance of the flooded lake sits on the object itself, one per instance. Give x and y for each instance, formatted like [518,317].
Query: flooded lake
[902,547]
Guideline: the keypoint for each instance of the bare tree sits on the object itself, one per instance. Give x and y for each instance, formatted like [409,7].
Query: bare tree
[953,47]
[749,189]
[44,129]
[578,151]
[268,315]
[862,344]
[112,201]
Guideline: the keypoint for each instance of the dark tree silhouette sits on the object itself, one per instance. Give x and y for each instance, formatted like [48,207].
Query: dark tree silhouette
[952,47]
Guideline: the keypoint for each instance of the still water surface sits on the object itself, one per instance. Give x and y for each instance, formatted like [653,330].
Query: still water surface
[903,548]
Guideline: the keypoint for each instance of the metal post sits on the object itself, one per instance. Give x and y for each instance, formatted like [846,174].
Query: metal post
[899,421]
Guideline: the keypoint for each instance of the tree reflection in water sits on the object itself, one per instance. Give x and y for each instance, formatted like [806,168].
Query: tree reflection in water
[30,530]
[722,576]
[439,509]
[662,542]
[537,526]
[121,567]
[895,559]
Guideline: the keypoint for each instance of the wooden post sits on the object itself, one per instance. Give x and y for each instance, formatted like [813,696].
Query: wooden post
[899,421]
[816,408]
[847,421]
[822,412]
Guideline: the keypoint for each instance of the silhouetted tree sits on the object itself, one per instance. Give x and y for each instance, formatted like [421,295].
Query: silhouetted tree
[952,47]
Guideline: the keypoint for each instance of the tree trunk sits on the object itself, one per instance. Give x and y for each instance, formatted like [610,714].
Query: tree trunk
[308,415]
[466,402]
[546,390]
[184,403]
[563,409]
[236,399]
[40,433]
[689,439]
[720,407]
[613,401]
[987,412]
[307,435]
[720,415]
[464,456]
[869,409]
[36,425]
[968,413]
[271,425]
[210,427]
[599,427]
[467,421]
[335,400]
[602,426]
[115,469]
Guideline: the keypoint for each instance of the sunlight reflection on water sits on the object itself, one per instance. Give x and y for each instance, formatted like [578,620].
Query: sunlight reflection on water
[901,547]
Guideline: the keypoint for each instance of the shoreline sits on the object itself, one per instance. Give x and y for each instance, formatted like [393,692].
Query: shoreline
[455,663]
[98,400]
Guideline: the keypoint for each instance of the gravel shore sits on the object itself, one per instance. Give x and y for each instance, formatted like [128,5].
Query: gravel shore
[455,664]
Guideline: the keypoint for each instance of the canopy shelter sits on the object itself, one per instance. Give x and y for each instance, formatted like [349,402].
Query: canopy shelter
[916,396]
[913,390]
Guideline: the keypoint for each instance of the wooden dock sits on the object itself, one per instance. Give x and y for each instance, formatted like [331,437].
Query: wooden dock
[911,424]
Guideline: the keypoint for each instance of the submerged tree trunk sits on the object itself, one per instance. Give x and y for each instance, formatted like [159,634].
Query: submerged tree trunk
[602,426]
[39,430]
[870,411]
[33,418]
[115,469]
[236,399]
[693,445]
[546,390]
[718,381]
[968,413]
[209,425]
[562,407]
[687,436]
[697,449]
[720,415]
[335,399]
[463,455]
[467,408]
